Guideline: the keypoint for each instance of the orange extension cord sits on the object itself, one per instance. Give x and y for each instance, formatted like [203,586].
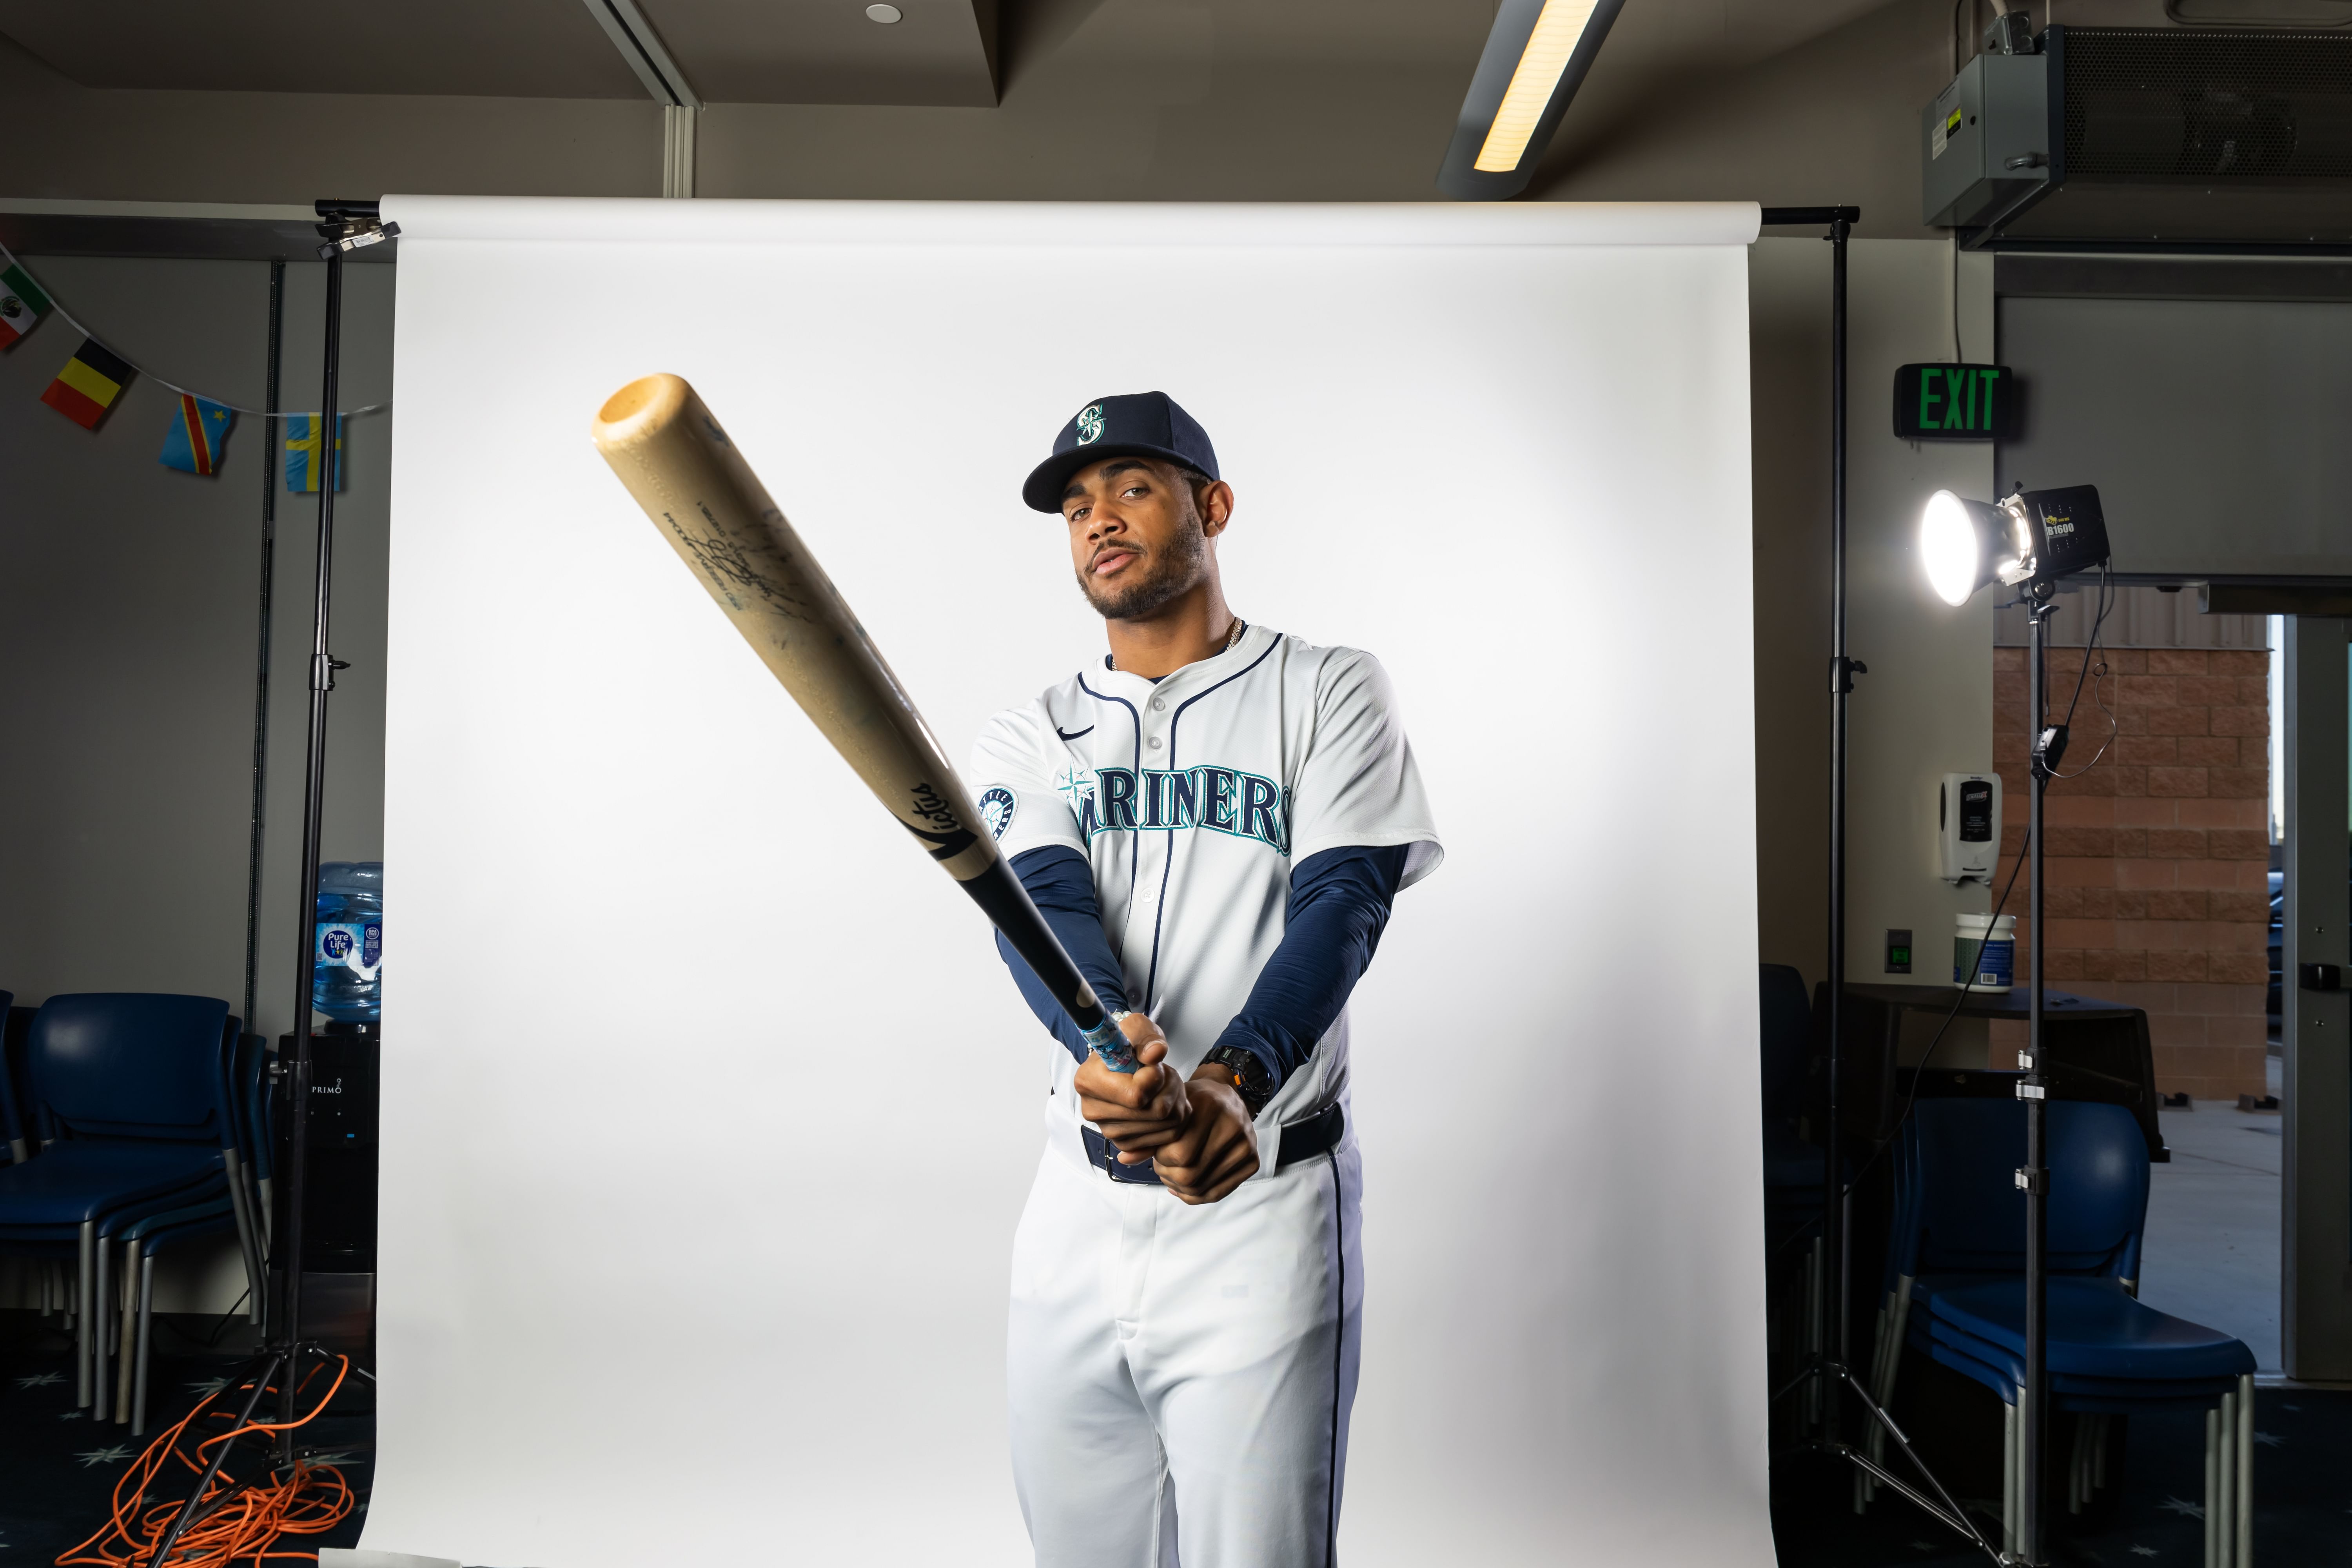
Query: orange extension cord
[231,1525]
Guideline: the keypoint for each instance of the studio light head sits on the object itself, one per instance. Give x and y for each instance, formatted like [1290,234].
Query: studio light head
[2035,537]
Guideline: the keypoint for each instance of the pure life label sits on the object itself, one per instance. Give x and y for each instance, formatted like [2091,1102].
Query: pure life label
[353,945]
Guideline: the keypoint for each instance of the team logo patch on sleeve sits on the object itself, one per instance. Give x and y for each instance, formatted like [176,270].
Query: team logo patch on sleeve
[996,809]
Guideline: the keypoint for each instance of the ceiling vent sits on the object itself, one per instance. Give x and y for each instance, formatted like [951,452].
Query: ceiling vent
[2150,136]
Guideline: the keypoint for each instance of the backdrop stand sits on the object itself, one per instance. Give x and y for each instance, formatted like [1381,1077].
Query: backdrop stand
[344,227]
[1826,1371]
[260,1313]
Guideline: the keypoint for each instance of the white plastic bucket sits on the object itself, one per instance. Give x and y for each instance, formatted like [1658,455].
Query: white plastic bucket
[1995,968]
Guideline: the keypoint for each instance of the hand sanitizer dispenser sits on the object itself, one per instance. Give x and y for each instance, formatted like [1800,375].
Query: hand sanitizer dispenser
[1967,821]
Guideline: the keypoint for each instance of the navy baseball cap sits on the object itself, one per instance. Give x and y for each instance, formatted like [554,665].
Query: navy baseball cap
[1138,424]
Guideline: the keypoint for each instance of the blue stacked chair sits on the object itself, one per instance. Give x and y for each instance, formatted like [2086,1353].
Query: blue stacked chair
[144,1240]
[1956,1295]
[134,1109]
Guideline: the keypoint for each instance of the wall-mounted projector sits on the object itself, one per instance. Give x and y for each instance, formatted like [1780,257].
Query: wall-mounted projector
[2141,135]
[1967,822]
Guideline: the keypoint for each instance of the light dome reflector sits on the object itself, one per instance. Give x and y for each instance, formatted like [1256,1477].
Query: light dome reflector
[1953,547]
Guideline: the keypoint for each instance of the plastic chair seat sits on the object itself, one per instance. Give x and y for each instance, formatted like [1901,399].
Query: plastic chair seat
[73,1183]
[2004,1373]
[2094,1331]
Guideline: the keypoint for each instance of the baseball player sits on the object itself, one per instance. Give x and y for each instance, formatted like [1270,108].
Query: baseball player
[1214,817]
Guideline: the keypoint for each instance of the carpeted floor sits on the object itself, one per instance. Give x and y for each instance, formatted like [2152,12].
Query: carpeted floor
[2302,1499]
[59,1469]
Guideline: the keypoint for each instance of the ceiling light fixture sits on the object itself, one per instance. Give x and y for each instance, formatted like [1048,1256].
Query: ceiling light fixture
[1536,57]
[886,15]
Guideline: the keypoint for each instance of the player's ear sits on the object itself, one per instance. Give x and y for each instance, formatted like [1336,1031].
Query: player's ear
[1216,505]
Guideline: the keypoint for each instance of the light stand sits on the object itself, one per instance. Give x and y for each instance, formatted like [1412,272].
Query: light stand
[2029,541]
[344,227]
[1827,1371]
[2032,1400]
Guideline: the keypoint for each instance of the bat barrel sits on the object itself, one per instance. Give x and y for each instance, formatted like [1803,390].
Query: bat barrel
[695,484]
[697,487]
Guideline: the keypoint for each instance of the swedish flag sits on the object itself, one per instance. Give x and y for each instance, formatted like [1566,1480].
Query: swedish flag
[303,432]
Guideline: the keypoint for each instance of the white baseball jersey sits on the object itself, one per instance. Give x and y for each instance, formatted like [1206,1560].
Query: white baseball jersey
[1180,1377]
[1192,798]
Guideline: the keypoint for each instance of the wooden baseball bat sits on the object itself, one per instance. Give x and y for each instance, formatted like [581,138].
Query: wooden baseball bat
[695,486]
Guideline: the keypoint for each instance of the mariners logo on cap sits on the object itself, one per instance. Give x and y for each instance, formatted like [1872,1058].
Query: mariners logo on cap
[996,811]
[1090,425]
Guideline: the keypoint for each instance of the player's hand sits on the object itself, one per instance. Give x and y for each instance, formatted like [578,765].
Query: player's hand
[1138,1111]
[1217,1149]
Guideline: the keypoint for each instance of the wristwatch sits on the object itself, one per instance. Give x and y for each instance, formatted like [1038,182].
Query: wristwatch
[1250,1079]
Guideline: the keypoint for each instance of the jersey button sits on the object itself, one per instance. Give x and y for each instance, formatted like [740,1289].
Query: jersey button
[1153,742]
[1159,704]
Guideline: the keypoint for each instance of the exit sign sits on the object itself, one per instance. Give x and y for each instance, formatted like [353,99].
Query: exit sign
[1955,403]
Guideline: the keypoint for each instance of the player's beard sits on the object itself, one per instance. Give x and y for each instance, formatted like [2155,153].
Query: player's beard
[1168,574]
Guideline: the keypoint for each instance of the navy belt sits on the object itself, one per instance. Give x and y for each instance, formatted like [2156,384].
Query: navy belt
[1318,1134]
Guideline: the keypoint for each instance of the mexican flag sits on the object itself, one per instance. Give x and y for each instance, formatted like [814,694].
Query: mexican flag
[22,304]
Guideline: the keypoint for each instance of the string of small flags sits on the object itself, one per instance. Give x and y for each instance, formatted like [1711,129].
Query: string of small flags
[95,376]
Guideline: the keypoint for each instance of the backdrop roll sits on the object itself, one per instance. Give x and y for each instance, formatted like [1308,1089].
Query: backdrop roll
[708,1109]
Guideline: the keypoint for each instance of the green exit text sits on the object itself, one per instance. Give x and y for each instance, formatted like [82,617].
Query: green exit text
[1953,402]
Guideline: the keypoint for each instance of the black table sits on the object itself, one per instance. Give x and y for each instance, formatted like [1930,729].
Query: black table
[2097,1050]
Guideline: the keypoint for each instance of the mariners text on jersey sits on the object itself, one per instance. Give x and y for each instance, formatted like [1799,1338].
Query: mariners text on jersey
[1192,799]
[1222,800]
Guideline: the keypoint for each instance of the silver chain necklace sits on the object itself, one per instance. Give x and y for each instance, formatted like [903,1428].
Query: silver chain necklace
[1240,625]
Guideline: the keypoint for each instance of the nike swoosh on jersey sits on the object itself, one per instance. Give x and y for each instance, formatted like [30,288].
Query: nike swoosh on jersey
[1070,735]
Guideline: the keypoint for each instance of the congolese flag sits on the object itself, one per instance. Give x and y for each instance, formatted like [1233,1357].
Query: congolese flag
[302,441]
[22,304]
[193,443]
[88,385]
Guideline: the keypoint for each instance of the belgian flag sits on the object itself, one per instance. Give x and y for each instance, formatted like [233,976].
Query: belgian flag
[88,385]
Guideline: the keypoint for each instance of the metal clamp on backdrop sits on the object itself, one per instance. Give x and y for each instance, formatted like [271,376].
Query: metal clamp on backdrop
[350,226]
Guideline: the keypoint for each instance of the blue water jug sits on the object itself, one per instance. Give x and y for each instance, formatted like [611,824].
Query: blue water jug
[347,942]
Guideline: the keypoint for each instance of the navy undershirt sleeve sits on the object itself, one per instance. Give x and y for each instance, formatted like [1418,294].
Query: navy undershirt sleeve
[1339,903]
[1062,885]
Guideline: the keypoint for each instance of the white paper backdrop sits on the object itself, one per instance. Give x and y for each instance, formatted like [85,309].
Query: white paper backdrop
[709,1110]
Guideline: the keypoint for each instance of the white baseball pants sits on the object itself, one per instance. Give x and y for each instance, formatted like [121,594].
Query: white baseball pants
[1181,1376]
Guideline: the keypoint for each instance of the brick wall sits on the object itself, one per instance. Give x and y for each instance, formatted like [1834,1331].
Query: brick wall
[2157,859]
